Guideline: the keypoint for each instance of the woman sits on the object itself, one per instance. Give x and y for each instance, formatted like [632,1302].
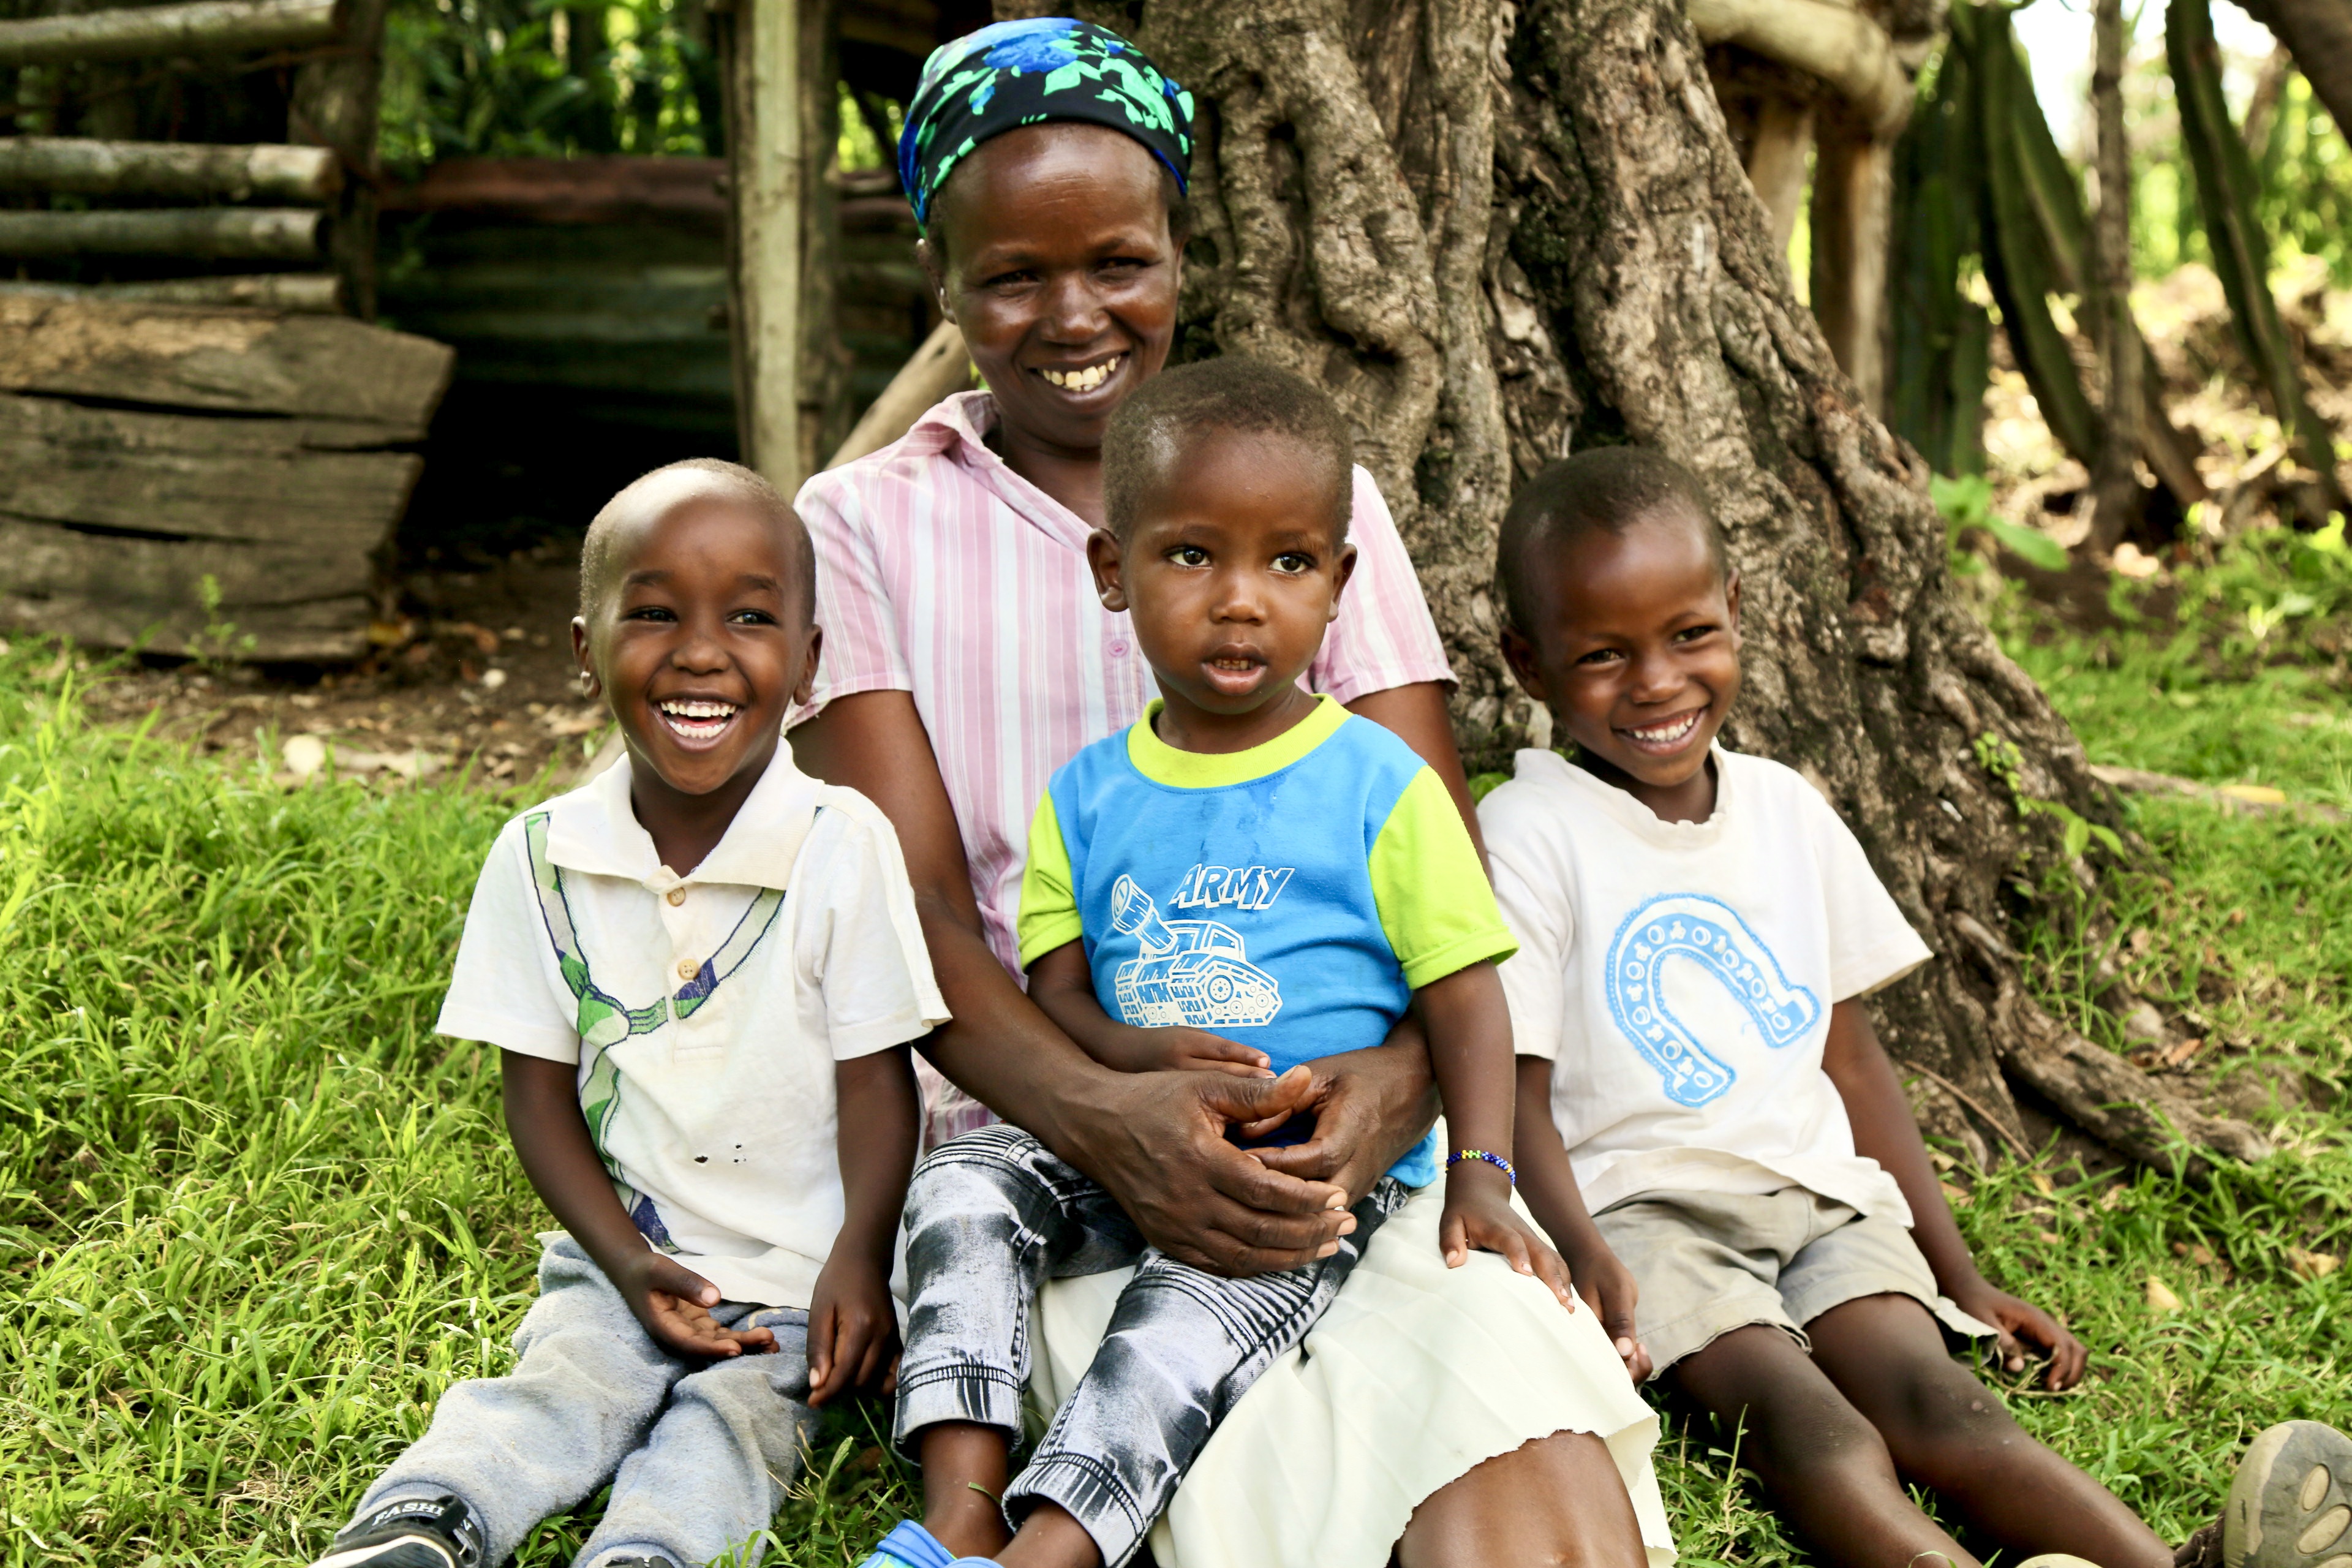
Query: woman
[966,657]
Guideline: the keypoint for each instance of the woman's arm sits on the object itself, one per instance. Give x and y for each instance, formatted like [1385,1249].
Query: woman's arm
[1418,717]
[1884,1130]
[1155,1140]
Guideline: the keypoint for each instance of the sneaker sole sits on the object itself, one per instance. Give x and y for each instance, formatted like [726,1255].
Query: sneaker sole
[408,1551]
[2291,1503]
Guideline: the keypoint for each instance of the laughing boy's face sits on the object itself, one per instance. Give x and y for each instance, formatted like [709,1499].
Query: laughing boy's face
[1635,650]
[702,638]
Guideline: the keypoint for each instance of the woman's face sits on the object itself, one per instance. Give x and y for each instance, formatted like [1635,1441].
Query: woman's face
[1060,269]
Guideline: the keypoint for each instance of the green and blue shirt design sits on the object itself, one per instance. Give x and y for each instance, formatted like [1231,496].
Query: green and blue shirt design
[1291,896]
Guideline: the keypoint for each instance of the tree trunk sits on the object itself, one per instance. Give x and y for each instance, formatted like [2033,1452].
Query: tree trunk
[1495,233]
[2318,33]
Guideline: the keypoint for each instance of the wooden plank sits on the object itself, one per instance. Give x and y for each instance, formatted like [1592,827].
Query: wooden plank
[186,170]
[571,189]
[319,368]
[233,234]
[317,293]
[207,26]
[105,590]
[180,476]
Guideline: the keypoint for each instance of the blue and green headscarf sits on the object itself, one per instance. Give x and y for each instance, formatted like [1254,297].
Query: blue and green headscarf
[1020,73]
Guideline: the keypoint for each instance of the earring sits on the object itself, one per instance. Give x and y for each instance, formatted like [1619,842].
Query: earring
[587,682]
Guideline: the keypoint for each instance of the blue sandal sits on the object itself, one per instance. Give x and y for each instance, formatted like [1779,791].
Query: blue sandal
[910,1545]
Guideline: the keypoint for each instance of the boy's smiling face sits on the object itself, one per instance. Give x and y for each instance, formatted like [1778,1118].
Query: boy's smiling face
[1635,649]
[1233,571]
[700,637]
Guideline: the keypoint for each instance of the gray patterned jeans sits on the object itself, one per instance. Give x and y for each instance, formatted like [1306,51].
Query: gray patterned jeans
[991,1215]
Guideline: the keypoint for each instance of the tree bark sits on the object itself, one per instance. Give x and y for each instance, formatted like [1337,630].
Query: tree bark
[2318,33]
[2116,502]
[1497,233]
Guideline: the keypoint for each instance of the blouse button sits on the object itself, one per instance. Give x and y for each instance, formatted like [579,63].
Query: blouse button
[1119,651]
[677,896]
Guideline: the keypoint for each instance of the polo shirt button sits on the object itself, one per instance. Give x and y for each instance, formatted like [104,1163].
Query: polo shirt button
[677,896]
[686,968]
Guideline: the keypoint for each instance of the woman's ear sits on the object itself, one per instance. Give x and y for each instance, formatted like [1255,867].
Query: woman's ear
[1103,556]
[935,273]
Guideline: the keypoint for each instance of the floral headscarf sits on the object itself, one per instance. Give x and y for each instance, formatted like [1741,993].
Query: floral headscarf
[1018,73]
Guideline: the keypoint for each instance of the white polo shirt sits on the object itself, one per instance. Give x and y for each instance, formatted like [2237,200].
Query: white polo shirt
[705,1012]
[1679,977]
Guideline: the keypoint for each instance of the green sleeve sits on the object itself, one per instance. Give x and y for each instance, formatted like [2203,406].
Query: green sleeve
[1049,906]
[1434,900]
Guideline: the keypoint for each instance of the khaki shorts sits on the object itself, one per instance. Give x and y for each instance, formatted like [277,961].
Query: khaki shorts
[1709,1263]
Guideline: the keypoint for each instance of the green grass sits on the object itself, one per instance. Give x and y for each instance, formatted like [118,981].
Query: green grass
[254,1216]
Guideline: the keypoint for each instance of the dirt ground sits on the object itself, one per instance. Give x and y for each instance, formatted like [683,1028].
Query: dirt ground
[479,676]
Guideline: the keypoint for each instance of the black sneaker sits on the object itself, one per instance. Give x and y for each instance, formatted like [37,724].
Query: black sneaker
[2291,1503]
[418,1532]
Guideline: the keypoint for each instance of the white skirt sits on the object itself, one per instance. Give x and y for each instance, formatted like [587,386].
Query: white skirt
[1417,1374]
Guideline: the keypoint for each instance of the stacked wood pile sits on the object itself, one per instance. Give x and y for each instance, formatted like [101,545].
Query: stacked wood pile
[204,482]
[198,453]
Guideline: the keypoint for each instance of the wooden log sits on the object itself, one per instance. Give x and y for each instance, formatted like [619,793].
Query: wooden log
[385,385]
[312,293]
[229,233]
[186,170]
[939,367]
[207,26]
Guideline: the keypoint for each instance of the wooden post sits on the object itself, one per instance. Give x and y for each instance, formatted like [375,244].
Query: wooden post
[334,107]
[1853,192]
[767,164]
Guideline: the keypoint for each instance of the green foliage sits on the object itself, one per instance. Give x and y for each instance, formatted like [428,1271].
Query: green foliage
[1967,502]
[2306,181]
[542,78]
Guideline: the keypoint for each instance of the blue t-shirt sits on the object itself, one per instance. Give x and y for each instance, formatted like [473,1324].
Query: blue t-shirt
[1289,897]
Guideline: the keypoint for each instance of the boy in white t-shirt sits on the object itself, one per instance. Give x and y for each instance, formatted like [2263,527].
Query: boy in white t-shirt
[1698,929]
[702,970]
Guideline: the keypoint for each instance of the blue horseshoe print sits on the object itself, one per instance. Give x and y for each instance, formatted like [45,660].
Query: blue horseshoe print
[1710,934]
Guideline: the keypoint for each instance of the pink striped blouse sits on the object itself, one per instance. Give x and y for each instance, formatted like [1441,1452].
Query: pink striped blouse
[943,574]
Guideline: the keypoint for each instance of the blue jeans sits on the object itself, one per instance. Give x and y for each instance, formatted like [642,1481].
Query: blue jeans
[697,1453]
[991,1215]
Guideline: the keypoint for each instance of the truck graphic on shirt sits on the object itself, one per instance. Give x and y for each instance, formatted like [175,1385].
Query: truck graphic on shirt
[1190,972]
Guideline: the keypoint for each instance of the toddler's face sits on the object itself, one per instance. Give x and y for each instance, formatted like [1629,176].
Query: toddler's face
[1635,649]
[702,638]
[1233,571]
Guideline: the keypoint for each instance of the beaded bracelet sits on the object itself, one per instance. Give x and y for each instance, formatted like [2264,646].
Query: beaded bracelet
[1494,1160]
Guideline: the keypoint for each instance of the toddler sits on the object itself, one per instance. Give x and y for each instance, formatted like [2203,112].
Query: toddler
[1247,879]
[702,970]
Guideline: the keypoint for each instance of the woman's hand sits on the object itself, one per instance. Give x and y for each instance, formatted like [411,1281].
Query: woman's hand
[674,1304]
[1478,1213]
[853,1332]
[2024,1327]
[1370,1108]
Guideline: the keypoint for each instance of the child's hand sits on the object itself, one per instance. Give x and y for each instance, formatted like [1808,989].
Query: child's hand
[2024,1327]
[1179,1049]
[1478,1213]
[853,1333]
[674,1304]
[1609,1287]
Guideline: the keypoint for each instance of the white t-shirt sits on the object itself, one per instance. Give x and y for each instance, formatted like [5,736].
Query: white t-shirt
[1679,977]
[705,1012]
